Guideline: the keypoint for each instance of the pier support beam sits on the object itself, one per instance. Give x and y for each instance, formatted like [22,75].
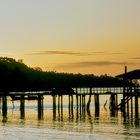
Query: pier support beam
[22,107]
[77,114]
[123,107]
[136,106]
[128,109]
[58,104]
[4,107]
[0,104]
[70,106]
[116,99]
[131,107]
[88,104]
[40,107]
[61,107]
[80,103]
[97,105]
[112,104]
[54,107]
[83,104]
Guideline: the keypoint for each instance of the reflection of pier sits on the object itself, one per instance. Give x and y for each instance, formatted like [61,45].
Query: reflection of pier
[129,102]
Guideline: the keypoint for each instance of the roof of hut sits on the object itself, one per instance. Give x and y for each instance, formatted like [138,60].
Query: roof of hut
[135,74]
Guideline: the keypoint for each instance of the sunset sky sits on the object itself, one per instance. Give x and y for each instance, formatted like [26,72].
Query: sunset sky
[79,36]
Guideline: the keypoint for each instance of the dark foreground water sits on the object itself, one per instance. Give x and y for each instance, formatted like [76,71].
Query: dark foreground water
[64,127]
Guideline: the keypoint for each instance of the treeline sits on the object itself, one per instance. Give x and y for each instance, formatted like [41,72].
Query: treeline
[16,76]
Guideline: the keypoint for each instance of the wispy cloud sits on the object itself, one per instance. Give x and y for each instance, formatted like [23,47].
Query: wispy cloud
[136,58]
[117,53]
[69,53]
[93,63]
[58,53]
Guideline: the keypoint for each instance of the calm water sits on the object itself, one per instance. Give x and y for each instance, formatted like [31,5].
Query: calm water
[86,127]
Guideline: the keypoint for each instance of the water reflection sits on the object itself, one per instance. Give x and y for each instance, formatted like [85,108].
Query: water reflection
[107,122]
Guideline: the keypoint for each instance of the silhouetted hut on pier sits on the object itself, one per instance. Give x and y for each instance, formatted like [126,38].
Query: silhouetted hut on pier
[130,92]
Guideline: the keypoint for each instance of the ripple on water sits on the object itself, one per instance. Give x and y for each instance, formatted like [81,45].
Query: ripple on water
[41,133]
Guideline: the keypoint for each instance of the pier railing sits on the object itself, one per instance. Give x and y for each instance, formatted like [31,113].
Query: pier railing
[81,90]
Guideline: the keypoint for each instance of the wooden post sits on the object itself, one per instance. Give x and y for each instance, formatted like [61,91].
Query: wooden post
[4,107]
[83,104]
[123,107]
[61,107]
[136,106]
[22,107]
[116,103]
[54,107]
[97,105]
[132,107]
[89,101]
[128,108]
[54,102]
[42,107]
[72,105]
[77,102]
[69,105]
[39,107]
[58,104]
[112,104]
[80,104]
[116,100]
[88,104]
[0,104]
[124,91]
[77,105]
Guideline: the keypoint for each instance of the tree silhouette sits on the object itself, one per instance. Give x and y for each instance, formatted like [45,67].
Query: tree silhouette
[16,76]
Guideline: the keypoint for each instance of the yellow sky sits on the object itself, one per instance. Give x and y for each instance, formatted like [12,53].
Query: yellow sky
[89,36]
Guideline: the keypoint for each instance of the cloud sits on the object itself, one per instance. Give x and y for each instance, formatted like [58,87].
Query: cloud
[69,53]
[59,53]
[93,63]
[117,53]
[136,58]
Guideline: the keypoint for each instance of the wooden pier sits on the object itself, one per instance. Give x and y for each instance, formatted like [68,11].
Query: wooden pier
[128,104]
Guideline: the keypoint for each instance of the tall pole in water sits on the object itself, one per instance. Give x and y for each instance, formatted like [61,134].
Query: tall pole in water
[124,91]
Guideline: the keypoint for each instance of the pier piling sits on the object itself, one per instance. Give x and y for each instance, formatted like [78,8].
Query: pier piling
[22,107]
[72,106]
[69,104]
[131,107]
[61,107]
[40,107]
[4,107]
[54,107]
[136,106]
[112,104]
[77,107]
[80,104]
[83,104]
[97,105]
